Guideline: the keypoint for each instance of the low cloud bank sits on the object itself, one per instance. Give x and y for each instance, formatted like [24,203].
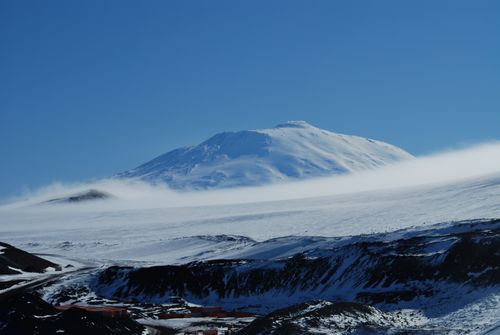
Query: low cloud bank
[480,160]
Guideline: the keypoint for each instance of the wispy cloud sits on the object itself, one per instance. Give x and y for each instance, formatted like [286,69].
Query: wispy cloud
[442,167]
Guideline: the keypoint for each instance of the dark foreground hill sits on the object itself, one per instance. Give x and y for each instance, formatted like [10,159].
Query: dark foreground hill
[27,314]
[16,261]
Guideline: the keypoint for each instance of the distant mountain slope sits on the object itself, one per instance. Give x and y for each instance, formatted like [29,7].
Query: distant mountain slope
[293,150]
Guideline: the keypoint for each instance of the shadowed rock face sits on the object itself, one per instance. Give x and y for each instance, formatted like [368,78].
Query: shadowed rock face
[27,314]
[12,258]
[377,269]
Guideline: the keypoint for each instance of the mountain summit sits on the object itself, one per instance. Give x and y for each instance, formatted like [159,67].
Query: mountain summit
[290,151]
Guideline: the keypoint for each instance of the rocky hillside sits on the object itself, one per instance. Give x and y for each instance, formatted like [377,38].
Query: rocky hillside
[404,268]
[324,317]
[15,261]
[28,314]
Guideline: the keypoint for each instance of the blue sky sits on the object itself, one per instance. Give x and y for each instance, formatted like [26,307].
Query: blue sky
[91,88]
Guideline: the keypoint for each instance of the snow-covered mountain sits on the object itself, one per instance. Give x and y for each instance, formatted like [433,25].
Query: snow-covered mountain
[289,151]
[334,257]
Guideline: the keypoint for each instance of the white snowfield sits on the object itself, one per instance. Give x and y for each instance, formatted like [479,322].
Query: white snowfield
[144,223]
[290,151]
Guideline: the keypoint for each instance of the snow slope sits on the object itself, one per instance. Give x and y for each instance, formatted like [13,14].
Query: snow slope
[446,274]
[179,234]
[404,268]
[132,228]
[290,151]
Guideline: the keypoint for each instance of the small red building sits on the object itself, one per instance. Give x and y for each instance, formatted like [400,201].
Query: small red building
[113,312]
[164,316]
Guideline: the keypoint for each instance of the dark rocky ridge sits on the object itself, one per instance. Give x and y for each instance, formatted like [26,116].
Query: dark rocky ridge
[378,269]
[27,314]
[12,258]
